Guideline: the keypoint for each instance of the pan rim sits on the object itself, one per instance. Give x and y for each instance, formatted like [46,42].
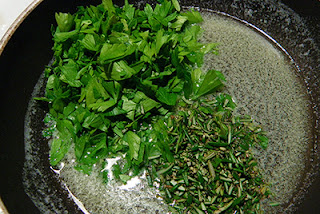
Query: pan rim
[8,34]
[4,41]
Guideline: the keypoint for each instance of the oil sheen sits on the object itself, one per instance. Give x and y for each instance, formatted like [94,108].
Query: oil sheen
[264,83]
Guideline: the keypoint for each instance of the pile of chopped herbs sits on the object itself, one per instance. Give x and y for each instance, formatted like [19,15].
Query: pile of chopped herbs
[128,82]
[213,169]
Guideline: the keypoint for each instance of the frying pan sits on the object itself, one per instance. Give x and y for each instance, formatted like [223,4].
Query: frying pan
[25,55]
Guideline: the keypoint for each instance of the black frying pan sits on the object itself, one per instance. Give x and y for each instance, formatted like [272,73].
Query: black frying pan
[28,51]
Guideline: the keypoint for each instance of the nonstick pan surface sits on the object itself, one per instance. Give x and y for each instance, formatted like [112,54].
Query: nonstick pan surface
[26,54]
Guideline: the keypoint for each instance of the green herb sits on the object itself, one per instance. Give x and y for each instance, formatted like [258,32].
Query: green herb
[124,62]
[128,82]
[213,172]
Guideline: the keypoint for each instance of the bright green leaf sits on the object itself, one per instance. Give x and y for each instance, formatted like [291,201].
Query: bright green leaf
[121,71]
[176,5]
[69,74]
[134,144]
[166,97]
[64,21]
[212,81]
[59,149]
[90,43]
[193,16]
[63,36]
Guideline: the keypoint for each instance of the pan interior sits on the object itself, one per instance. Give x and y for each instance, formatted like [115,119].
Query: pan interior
[263,80]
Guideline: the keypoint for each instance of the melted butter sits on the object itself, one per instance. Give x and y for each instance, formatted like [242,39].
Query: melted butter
[264,83]
[134,197]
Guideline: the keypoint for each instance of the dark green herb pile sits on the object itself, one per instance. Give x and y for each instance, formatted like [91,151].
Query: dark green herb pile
[213,168]
[129,82]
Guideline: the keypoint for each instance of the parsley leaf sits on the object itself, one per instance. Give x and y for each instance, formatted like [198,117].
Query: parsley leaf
[133,141]
[64,21]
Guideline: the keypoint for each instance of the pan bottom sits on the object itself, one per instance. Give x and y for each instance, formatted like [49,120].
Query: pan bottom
[265,84]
